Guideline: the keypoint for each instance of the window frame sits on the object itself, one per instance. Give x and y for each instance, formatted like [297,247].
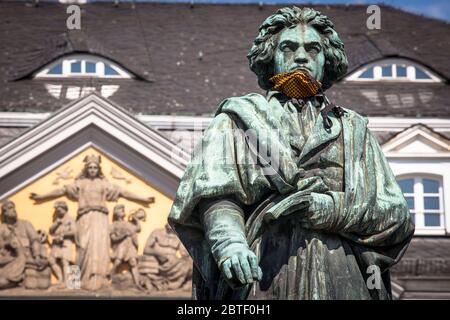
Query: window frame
[394,63]
[67,61]
[419,203]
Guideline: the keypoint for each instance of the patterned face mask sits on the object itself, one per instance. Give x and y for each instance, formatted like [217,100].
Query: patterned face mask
[296,84]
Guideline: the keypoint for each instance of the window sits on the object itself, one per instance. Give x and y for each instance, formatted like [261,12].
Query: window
[110,71]
[56,69]
[393,70]
[367,74]
[83,66]
[424,196]
[420,74]
[401,71]
[386,71]
[75,67]
[91,67]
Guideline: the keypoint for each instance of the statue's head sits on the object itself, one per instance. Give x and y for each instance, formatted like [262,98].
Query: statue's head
[60,208]
[92,167]
[169,229]
[119,212]
[9,214]
[138,214]
[298,39]
[42,236]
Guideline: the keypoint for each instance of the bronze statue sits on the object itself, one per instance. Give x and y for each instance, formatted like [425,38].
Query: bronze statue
[289,196]
[92,190]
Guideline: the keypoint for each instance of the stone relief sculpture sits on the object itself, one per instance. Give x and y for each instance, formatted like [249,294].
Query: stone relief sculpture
[21,257]
[64,234]
[92,190]
[63,174]
[12,258]
[165,265]
[116,174]
[27,258]
[304,209]
[124,241]
[38,274]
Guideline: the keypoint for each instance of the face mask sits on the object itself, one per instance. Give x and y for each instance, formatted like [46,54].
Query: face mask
[296,84]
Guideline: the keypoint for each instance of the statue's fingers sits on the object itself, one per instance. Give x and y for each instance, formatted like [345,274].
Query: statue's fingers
[245,266]
[253,261]
[260,274]
[237,269]
[226,268]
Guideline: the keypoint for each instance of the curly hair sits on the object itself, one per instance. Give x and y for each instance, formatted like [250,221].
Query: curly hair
[261,54]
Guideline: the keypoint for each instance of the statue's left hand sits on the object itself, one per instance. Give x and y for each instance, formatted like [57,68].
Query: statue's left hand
[146,201]
[242,266]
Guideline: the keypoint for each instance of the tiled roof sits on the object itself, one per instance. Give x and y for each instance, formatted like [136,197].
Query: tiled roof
[187,59]
[425,256]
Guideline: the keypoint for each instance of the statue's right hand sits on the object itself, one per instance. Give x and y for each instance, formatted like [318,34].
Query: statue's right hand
[35,196]
[242,267]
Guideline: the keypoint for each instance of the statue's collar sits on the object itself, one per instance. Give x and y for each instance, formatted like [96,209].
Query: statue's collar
[316,100]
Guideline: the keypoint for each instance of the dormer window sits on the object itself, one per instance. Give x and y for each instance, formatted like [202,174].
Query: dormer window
[83,66]
[394,70]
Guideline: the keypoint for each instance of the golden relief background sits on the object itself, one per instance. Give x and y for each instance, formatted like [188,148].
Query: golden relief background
[40,214]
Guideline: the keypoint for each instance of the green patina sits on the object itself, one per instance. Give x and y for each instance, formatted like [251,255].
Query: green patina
[307,217]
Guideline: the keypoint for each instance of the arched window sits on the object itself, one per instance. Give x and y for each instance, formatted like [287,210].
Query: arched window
[394,70]
[424,195]
[82,66]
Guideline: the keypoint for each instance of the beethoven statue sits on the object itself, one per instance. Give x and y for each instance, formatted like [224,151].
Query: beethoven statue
[92,190]
[289,196]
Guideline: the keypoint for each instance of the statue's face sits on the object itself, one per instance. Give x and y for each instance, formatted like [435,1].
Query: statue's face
[9,211]
[300,47]
[42,235]
[92,170]
[60,211]
[120,213]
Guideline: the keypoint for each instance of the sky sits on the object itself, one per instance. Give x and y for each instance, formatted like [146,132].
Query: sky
[439,9]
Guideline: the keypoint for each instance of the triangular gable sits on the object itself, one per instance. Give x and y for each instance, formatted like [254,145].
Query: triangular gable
[97,122]
[418,140]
